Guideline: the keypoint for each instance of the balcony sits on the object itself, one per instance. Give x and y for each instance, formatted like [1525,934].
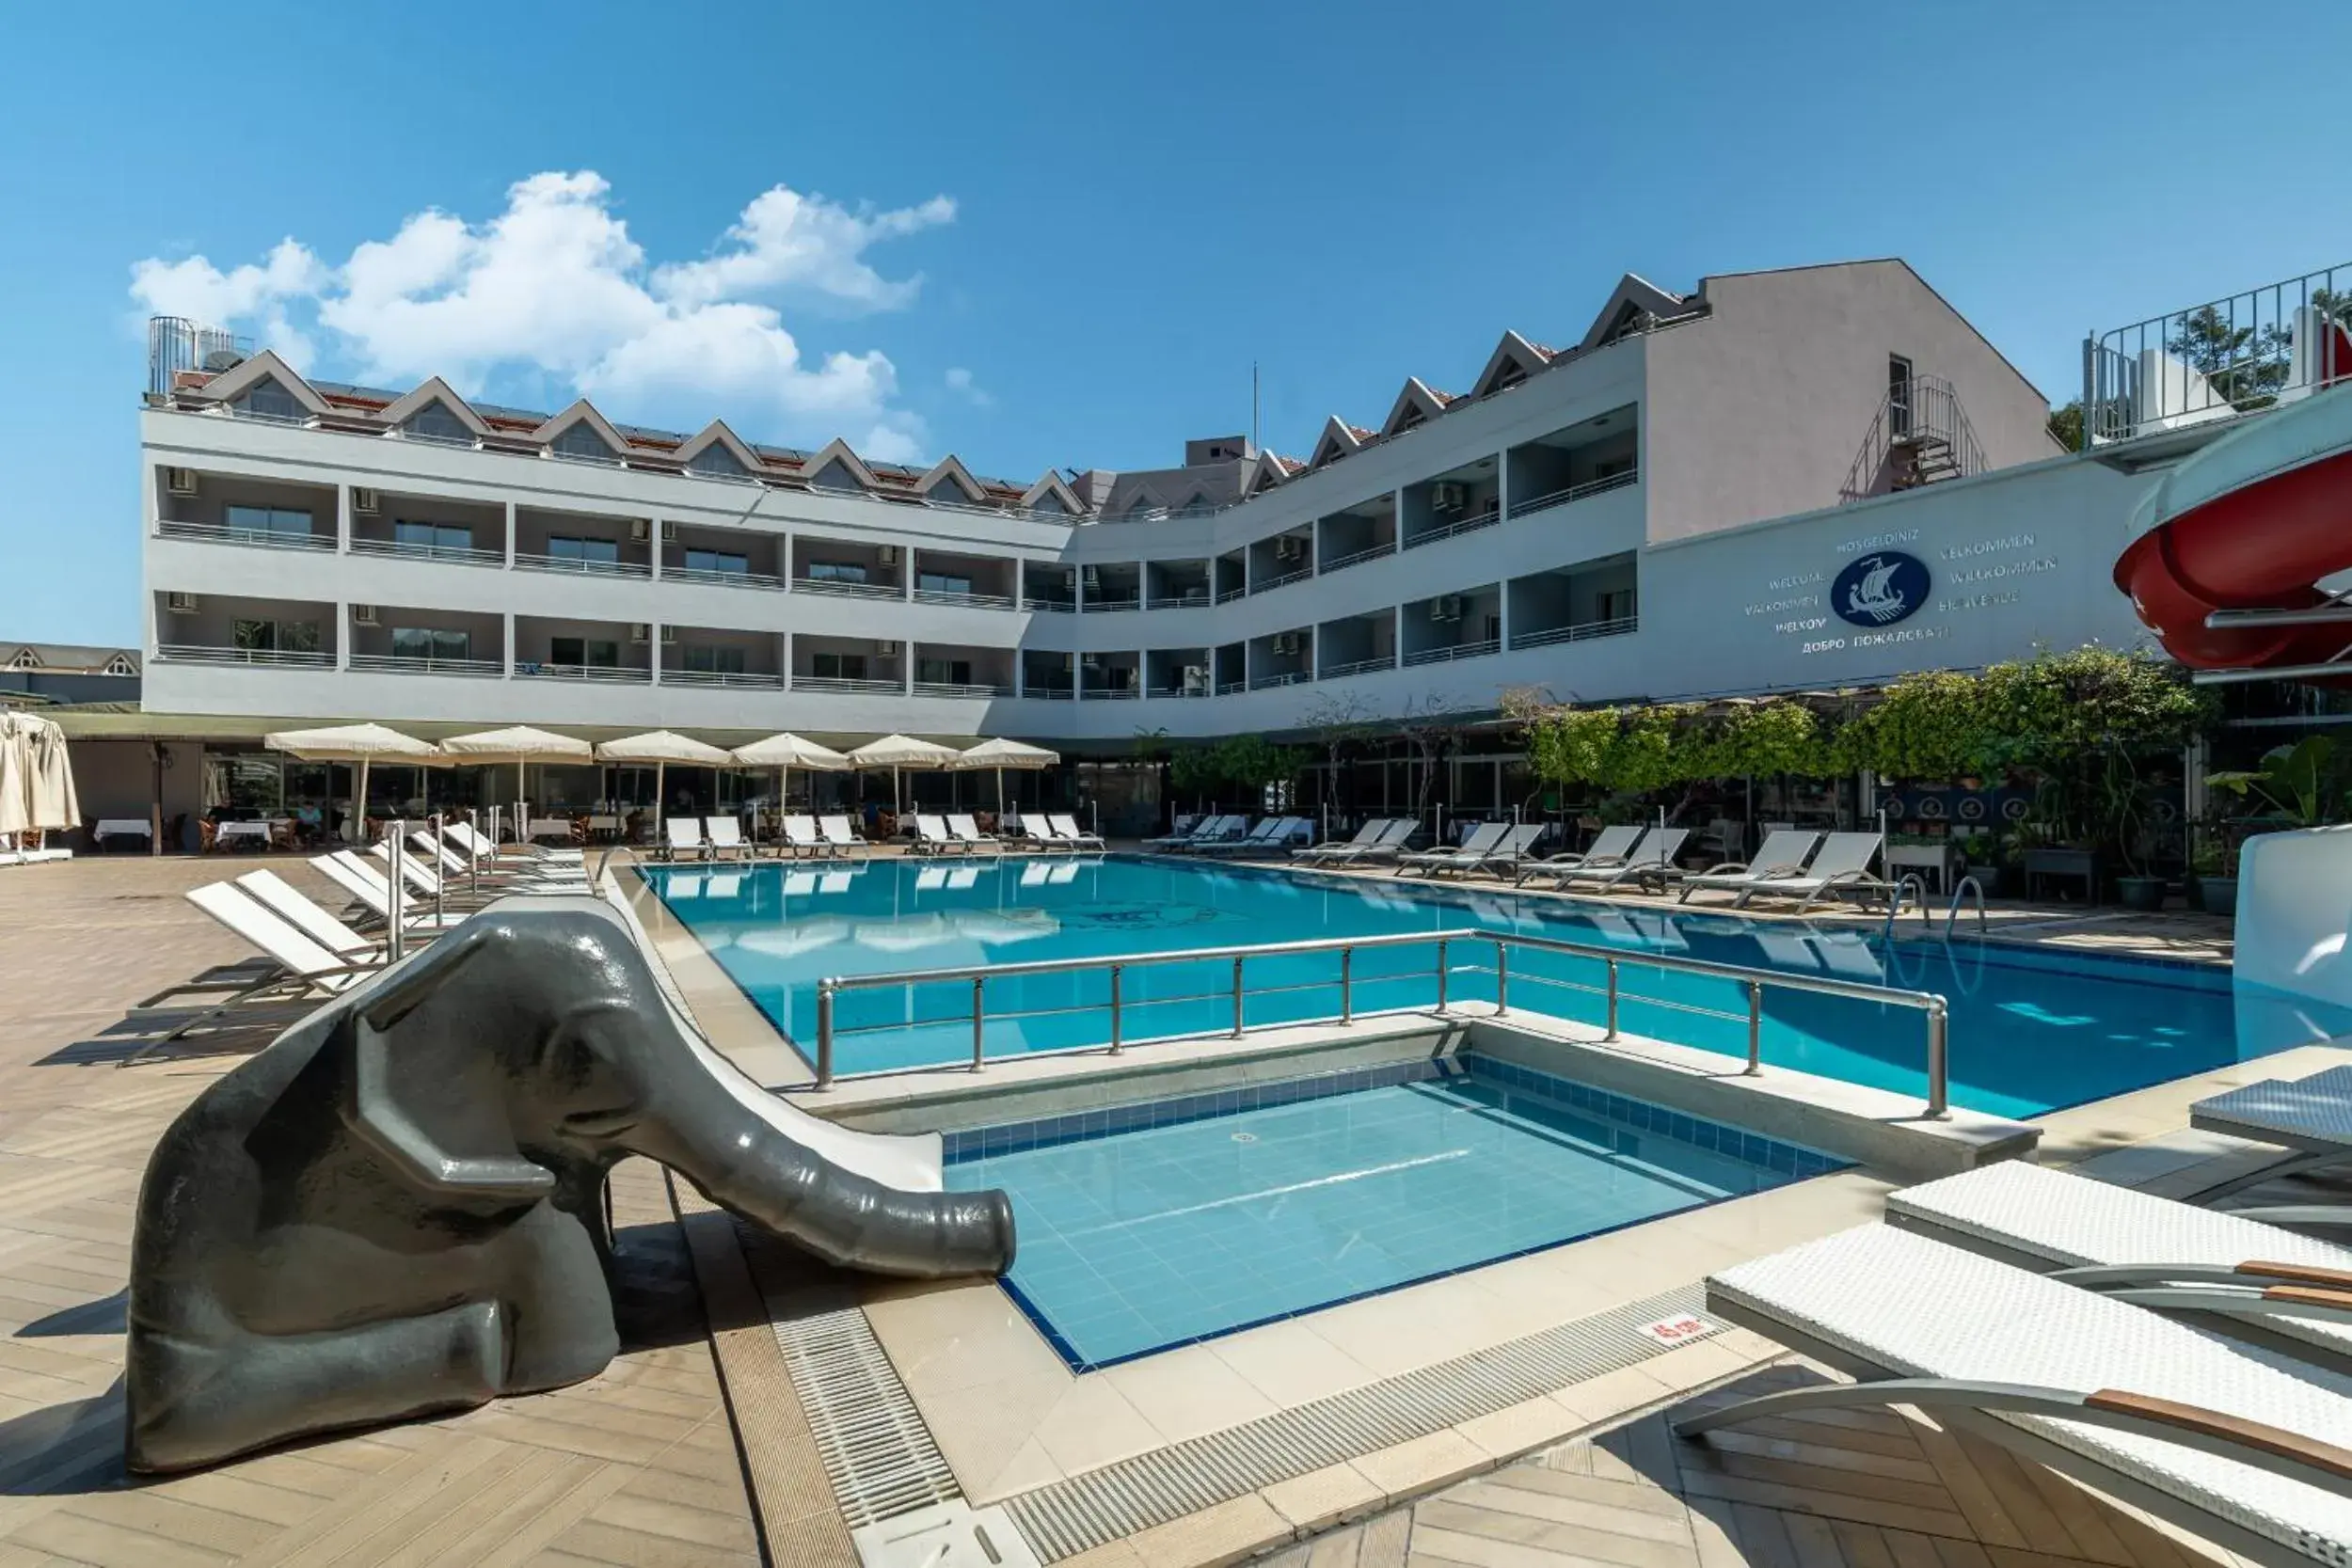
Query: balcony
[964,688]
[192,653]
[1283,677]
[456,555]
[1577,493]
[848,685]
[1231,594]
[966,600]
[1439,532]
[704,575]
[1459,650]
[1051,606]
[1158,692]
[746,680]
[417,664]
[223,533]
[1357,558]
[610,675]
[837,589]
[1617,627]
[1283,580]
[1588,458]
[1130,600]
[1049,693]
[581,566]
[1361,666]
[1228,688]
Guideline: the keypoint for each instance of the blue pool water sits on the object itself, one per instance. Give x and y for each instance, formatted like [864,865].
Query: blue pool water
[1189,1219]
[2030,1030]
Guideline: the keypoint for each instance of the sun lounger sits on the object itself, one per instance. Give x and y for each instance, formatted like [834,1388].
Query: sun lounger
[464,835]
[292,966]
[1610,848]
[844,839]
[2153,1251]
[680,835]
[1266,834]
[2309,1117]
[1782,854]
[1066,829]
[967,832]
[932,838]
[724,836]
[801,841]
[291,905]
[2238,1450]
[537,874]
[1366,836]
[1506,858]
[1479,843]
[1392,844]
[1209,829]
[1651,861]
[1841,866]
[364,879]
[1184,827]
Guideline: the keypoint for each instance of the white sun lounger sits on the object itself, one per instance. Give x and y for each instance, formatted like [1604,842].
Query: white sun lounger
[680,835]
[801,841]
[364,879]
[464,835]
[290,904]
[1066,829]
[1843,865]
[844,839]
[2157,1252]
[1265,834]
[2309,1117]
[1782,854]
[2234,1448]
[724,836]
[967,832]
[932,838]
[293,966]
[1481,838]
[1366,836]
[1610,847]
[537,875]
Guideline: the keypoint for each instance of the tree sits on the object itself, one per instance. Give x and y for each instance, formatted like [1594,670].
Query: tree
[1432,723]
[2245,365]
[2066,424]
[1338,721]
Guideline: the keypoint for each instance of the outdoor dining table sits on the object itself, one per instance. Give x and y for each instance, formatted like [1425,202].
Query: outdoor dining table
[604,827]
[262,831]
[120,827]
[550,827]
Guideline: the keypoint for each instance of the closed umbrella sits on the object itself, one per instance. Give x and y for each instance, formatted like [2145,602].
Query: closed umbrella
[357,745]
[1001,754]
[55,804]
[662,747]
[786,752]
[16,782]
[896,752]
[523,746]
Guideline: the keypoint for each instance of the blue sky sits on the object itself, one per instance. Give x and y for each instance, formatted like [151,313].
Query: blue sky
[1057,235]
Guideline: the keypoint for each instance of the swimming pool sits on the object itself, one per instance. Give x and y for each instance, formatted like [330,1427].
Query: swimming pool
[2032,1030]
[1164,1223]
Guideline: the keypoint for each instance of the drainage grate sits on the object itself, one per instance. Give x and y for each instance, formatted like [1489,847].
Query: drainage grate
[1073,1515]
[877,1451]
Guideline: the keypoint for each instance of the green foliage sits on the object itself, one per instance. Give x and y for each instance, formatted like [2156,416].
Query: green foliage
[2055,711]
[1643,756]
[1254,762]
[1764,739]
[2066,424]
[1192,769]
[2294,780]
[1935,724]
[1570,746]
[2245,364]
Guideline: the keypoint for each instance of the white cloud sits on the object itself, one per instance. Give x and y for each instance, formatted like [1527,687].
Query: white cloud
[553,293]
[959,381]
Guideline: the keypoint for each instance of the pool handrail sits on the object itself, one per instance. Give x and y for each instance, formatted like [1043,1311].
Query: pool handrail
[1755,980]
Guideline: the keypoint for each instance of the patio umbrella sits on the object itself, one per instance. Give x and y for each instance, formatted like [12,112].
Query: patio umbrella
[662,747]
[786,752]
[55,804]
[1001,754]
[523,746]
[16,776]
[358,745]
[896,751]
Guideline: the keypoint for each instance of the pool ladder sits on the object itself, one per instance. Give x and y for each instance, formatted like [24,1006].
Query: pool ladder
[1915,890]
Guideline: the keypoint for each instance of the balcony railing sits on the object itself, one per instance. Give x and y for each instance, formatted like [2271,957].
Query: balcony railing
[1111,693]
[583,568]
[1112,601]
[722,579]
[848,589]
[748,680]
[964,601]
[426,664]
[466,442]
[1454,530]
[1360,666]
[961,689]
[1197,598]
[1047,692]
[1230,595]
[458,555]
[622,674]
[1228,688]
[1050,605]
[1616,627]
[221,533]
[1284,580]
[1158,691]
[1576,493]
[1357,558]
[2274,344]
[1288,677]
[848,685]
[1459,650]
[195,652]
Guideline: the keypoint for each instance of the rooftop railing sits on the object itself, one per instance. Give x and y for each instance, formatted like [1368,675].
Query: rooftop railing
[198,652]
[221,533]
[1479,649]
[426,664]
[1453,529]
[1577,633]
[1609,986]
[1576,493]
[2228,356]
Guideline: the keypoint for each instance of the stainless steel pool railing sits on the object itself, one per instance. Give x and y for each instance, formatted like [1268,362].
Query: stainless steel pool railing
[1756,982]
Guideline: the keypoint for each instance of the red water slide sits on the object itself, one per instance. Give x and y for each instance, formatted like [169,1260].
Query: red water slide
[2249,527]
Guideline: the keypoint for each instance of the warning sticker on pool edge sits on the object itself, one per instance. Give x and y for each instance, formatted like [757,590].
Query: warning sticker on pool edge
[1679,1330]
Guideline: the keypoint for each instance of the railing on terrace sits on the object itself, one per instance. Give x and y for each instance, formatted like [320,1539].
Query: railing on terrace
[1357,558]
[461,555]
[1044,693]
[1193,598]
[1110,693]
[1228,688]
[1451,531]
[962,689]
[1577,633]
[1051,607]
[466,443]
[848,589]
[197,653]
[1609,986]
[2273,344]
[1919,434]
[616,675]
[1459,650]
[1360,666]
[221,533]
[1231,594]
[1177,692]
[747,680]
[1111,602]
[1268,584]
[964,601]
[846,684]
[583,568]
[722,579]
[426,664]
[1576,493]
[1287,677]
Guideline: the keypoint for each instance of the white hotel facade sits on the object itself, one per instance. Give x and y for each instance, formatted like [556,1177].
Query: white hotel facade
[1656,511]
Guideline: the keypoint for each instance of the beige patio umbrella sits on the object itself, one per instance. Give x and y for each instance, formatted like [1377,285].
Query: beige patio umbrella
[16,776]
[662,747]
[786,752]
[523,746]
[1001,754]
[897,752]
[55,804]
[359,745]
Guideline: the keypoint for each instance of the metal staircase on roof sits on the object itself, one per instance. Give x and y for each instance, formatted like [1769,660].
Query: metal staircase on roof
[1920,436]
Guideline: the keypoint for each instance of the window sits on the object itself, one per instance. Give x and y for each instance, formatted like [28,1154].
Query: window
[1898,395]
[266,522]
[1613,604]
[835,571]
[598,552]
[433,538]
[940,582]
[1048,506]
[120,665]
[718,462]
[580,440]
[280,637]
[431,642]
[437,421]
[24,659]
[1611,468]
[718,561]
[835,475]
[944,671]
[269,400]
[715,662]
[837,667]
[592,652]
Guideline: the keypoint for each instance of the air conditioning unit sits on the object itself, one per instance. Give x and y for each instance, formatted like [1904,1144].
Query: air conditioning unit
[181,604]
[884,646]
[1446,607]
[1446,496]
[639,530]
[889,554]
[640,632]
[1196,677]
[365,501]
[179,482]
[669,534]
[363,616]
[1290,547]
[669,637]
[1286,642]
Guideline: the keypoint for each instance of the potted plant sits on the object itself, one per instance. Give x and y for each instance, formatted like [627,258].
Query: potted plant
[2213,870]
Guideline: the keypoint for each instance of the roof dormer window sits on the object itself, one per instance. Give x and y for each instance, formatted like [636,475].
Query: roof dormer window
[24,659]
[581,442]
[435,421]
[716,461]
[268,399]
[120,665]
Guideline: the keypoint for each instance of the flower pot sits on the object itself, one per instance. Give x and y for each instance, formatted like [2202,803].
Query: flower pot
[2140,892]
[2217,895]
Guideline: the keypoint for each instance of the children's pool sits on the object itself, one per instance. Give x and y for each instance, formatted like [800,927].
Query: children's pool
[2032,1030]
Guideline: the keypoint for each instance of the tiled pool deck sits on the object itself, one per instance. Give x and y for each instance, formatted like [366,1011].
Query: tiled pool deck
[649,1463]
